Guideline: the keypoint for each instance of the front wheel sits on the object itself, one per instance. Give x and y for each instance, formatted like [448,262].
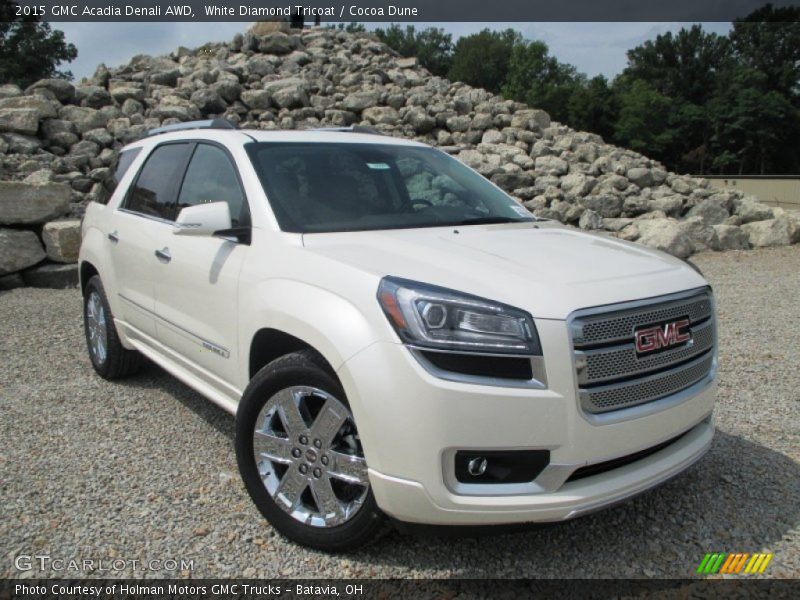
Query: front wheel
[300,456]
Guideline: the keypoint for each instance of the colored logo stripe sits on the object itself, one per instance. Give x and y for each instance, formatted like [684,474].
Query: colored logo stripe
[722,562]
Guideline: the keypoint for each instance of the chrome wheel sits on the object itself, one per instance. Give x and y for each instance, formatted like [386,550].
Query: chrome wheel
[309,456]
[97,327]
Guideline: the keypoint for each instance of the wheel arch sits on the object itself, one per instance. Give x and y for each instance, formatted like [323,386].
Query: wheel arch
[268,344]
[86,272]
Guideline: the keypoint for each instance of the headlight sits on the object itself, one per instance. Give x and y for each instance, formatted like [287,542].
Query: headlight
[432,317]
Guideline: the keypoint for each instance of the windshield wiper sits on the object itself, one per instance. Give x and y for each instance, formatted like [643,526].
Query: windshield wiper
[491,221]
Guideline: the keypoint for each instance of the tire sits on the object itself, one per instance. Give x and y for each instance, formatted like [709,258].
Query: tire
[110,359]
[289,482]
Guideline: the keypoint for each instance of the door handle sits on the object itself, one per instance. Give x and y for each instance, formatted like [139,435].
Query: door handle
[113,236]
[164,254]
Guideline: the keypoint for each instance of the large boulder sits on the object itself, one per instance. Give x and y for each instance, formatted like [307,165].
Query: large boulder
[378,115]
[358,101]
[209,101]
[92,96]
[773,232]
[750,211]
[551,165]
[24,204]
[666,235]
[19,249]
[641,176]
[62,89]
[606,205]
[276,43]
[52,276]
[19,120]
[257,99]
[291,96]
[47,109]
[62,240]
[590,220]
[710,210]
[578,183]
[731,237]
[703,236]
[84,118]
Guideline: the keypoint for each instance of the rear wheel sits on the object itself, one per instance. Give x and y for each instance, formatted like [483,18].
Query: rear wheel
[300,456]
[109,357]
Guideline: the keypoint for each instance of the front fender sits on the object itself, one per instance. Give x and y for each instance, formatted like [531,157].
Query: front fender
[328,322]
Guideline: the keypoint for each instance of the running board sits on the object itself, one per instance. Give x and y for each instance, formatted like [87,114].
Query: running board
[170,361]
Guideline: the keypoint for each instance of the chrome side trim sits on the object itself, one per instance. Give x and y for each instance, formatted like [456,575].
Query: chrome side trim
[538,382]
[144,216]
[199,340]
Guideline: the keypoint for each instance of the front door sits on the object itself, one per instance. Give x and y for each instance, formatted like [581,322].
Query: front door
[196,287]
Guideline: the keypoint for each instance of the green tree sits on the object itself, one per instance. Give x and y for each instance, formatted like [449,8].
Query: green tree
[29,49]
[482,59]
[541,80]
[682,68]
[432,47]
[680,65]
[644,119]
[755,129]
[351,27]
[768,41]
[593,107]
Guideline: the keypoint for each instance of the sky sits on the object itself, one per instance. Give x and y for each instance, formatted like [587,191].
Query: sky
[594,48]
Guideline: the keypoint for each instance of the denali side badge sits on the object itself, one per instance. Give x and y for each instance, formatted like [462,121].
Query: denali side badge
[660,337]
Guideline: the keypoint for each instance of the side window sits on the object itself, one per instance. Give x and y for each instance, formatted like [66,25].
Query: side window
[211,177]
[110,183]
[153,193]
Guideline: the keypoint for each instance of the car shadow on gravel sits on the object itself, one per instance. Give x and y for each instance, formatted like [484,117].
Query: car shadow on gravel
[741,497]
[153,377]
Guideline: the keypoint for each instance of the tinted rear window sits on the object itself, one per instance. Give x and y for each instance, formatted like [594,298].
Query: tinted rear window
[153,194]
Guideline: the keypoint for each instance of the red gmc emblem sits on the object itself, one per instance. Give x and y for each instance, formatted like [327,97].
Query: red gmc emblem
[659,337]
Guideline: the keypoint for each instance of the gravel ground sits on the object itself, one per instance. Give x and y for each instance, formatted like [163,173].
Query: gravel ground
[144,469]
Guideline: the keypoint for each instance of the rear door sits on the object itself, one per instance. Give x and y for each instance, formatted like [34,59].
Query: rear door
[136,228]
[197,289]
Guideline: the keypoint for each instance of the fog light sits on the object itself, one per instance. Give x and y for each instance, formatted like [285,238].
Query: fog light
[477,466]
[500,466]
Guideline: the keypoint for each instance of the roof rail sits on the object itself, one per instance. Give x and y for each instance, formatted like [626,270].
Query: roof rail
[209,124]
[350,129]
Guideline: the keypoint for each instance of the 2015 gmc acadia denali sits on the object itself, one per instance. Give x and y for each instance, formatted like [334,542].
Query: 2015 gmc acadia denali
[395,335]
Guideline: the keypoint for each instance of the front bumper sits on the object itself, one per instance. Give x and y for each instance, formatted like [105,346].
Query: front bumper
[411,423]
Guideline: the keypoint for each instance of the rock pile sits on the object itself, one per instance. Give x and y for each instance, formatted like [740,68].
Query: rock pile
[59,141]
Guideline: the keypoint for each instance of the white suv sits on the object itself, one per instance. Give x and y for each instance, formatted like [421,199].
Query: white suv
[395,335]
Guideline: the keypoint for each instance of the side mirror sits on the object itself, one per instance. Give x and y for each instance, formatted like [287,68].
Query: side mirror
[203,219]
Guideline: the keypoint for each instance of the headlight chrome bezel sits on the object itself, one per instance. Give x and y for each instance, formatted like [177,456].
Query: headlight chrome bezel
[438,318]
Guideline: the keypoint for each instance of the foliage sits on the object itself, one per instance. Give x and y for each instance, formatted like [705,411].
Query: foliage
[482,59]
[29,49]
[432,47]
[541,80]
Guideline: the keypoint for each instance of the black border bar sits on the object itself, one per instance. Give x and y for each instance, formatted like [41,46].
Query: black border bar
[397,10]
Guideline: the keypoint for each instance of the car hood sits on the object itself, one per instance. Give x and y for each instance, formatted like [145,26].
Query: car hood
[547,269]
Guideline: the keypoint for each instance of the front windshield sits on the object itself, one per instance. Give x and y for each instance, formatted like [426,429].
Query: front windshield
[327,187]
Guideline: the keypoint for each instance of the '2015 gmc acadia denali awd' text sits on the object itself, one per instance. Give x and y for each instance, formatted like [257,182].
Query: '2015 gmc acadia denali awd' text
[395,335]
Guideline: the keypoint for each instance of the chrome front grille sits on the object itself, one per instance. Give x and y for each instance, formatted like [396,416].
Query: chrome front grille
[610,373]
